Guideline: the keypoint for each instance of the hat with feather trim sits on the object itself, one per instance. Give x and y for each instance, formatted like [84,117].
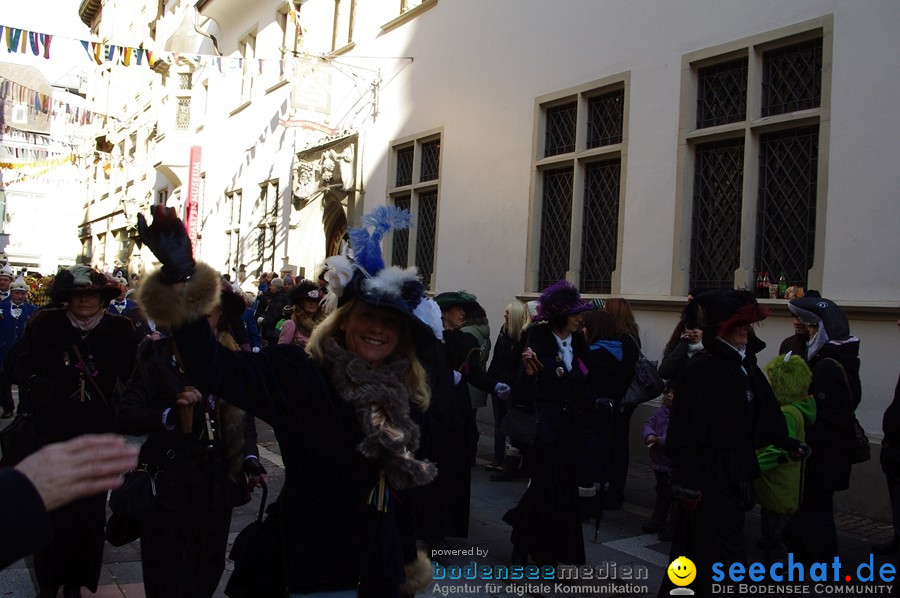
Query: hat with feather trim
[560,299]
[715,312]
[82,279]
[361,274]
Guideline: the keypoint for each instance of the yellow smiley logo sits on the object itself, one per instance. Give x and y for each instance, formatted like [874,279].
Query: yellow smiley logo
[682,571]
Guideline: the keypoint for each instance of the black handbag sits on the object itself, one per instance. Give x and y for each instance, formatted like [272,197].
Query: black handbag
[862,452]
[520,425]
[136,498]
[256,552]
[646,384]
[19,439]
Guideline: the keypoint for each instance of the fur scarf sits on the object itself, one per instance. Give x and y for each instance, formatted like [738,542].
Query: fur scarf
[380,398]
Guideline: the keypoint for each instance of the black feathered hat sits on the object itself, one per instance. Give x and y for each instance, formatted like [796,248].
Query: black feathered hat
[363,276]
[715,312]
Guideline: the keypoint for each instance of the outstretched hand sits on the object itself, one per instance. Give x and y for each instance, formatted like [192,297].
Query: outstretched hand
[80,467]
[169,242]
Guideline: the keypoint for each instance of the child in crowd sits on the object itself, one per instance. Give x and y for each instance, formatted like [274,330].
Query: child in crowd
[654,435]
[779,488]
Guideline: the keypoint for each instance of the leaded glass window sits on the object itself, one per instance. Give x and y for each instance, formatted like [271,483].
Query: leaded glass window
[404,166]
[604,120]
[400,248]
[417,189]
[560,129]
[716,230]
[600,225]
[786,211]
[425,234]
[556,222]
[431,156]
[722,93]
[792,78]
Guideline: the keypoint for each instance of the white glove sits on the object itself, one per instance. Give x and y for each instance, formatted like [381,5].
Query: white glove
[259,320]
[456,377]
[501,390]
[256,349]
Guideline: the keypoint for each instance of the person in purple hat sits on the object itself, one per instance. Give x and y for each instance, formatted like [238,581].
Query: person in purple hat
[546,523]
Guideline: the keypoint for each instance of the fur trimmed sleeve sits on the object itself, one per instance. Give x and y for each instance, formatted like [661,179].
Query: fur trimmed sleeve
[172,305]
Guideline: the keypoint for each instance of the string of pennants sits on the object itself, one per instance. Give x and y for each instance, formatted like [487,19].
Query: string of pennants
[38,44]
[43,103]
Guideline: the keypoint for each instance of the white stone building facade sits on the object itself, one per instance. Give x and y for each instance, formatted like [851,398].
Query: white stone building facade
[639,149]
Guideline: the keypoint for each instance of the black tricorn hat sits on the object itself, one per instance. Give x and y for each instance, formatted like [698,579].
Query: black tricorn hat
[82,279]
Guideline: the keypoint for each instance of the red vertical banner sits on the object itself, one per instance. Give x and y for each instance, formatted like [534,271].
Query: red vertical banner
[193,197]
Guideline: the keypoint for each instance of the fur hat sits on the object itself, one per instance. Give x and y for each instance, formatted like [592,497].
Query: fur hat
[82,279]
[560,299]
[789,377]
[19,285]
[715,312]
[363,276]
[233,303]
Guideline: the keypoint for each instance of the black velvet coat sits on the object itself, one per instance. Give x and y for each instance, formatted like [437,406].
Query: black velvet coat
[546,522]
[723,410]
[443,505]
[49,366]
[199,479]
[831,437]
[331,536]
[24,525]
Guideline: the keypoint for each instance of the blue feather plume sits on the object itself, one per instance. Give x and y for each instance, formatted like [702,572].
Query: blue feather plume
[367,246]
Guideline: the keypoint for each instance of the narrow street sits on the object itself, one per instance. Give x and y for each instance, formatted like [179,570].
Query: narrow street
[625,560]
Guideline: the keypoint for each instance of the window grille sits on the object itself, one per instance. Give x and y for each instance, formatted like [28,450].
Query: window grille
[792,78]
[556,220]
[400,249]
[404,166]
[722,93]
[786,210]
[604,119]
[425,235]
[183,113]
[600,225]
[716,230]
[185,81]
[559,136]
[431,156]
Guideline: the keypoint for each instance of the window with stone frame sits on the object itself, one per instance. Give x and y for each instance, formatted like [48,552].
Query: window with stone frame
[249,66]
[267,216]
[233,205]
[754,155]
[415,186]
[578,185]
[344,19]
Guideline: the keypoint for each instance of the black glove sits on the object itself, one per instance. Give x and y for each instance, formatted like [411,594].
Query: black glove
[169,242]
[255,472]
